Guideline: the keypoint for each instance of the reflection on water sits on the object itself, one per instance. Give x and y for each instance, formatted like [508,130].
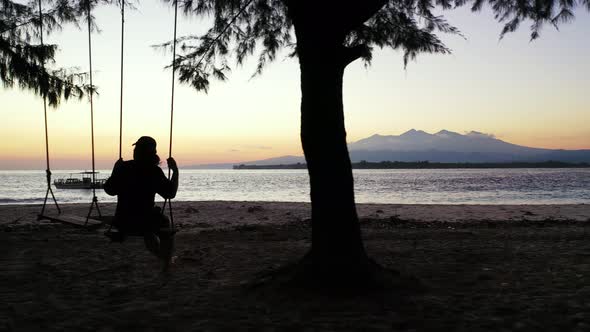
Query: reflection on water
[440,186]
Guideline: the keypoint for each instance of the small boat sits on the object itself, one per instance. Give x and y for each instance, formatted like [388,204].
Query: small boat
[76,183]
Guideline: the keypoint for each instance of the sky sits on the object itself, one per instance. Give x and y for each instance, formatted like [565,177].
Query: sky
[528,93]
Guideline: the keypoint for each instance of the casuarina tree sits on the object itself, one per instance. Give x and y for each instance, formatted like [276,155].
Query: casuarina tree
[326,36]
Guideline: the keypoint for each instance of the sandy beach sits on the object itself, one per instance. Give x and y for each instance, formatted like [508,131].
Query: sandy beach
[484,267]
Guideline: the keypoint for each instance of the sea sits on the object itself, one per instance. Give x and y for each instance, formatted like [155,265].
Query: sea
[392,186]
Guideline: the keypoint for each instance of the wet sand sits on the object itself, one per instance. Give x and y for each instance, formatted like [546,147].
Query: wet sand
[484,267]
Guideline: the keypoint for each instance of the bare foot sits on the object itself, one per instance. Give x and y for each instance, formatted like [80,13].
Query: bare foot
[167,264]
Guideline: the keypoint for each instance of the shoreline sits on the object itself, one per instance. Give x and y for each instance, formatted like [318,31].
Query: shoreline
[208,214]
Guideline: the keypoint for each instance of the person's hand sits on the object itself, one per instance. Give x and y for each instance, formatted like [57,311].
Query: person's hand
[172,164]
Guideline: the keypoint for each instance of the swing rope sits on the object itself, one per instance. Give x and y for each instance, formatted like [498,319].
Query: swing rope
[121,97]
[121,94]
[172,113]
[94,199]
[173,81]
[48,169]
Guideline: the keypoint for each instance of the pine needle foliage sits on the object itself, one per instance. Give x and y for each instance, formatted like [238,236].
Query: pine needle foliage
[27,64]
[262,28]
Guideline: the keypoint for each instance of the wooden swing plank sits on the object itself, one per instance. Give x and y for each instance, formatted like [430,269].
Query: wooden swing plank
[72,220]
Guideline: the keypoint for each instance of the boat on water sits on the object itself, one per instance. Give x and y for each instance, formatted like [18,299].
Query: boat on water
[85,182]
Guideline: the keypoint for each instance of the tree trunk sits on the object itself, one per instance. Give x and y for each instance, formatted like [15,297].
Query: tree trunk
[337,254]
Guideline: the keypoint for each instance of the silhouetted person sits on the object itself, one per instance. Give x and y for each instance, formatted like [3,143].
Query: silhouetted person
[136,183]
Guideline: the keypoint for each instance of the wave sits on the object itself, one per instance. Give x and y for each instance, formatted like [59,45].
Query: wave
[39,200]
[20,200]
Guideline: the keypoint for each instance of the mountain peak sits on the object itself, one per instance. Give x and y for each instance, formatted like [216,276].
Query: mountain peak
[445,140]
[414,132]
[445,132]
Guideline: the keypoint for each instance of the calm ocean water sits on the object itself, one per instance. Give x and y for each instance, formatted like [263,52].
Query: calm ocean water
[454,186]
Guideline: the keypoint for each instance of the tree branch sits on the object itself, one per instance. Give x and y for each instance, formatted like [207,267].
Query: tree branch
[350,54]
[359,11]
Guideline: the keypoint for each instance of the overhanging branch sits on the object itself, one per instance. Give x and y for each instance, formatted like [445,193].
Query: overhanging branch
[355,52]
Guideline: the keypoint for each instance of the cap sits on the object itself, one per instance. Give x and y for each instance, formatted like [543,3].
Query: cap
[146,142]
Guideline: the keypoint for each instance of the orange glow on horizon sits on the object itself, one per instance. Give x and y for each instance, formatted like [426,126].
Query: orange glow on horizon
[526,93]
[30,154]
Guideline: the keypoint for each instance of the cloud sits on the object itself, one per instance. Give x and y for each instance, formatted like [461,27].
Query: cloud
[257,147]
[478,134]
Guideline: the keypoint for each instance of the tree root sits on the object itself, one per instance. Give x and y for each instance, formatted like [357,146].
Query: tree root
[351,279]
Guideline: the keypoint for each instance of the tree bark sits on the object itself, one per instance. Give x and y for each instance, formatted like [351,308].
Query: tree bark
[337,254]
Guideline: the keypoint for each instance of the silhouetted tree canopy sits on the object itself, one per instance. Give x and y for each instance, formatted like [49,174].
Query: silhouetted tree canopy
[261,28]
[22,56]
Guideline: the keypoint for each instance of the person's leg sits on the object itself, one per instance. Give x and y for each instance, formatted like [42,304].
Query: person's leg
[162,234]
[166,236]
[166,248]
[109,220]
[152,243]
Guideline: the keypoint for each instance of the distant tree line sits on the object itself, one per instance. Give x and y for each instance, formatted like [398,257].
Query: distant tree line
[428,165]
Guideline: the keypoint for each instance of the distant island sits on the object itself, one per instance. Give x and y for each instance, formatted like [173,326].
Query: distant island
[445,148]
[427,165]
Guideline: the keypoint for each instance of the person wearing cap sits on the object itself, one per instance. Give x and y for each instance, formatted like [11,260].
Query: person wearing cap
[136,183]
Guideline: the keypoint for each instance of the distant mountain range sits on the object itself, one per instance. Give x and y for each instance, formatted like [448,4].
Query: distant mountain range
[448,146]
[443,146]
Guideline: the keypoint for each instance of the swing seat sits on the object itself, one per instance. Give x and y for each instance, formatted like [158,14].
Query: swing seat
[71,220]
[115,236]
[119,237]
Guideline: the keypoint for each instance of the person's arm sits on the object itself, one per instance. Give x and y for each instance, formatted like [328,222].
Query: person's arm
[168,188]
[111,185]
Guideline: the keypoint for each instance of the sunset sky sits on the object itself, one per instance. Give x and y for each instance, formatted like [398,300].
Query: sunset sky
[528,93]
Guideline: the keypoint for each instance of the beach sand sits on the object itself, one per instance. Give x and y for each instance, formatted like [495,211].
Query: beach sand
[484,267]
